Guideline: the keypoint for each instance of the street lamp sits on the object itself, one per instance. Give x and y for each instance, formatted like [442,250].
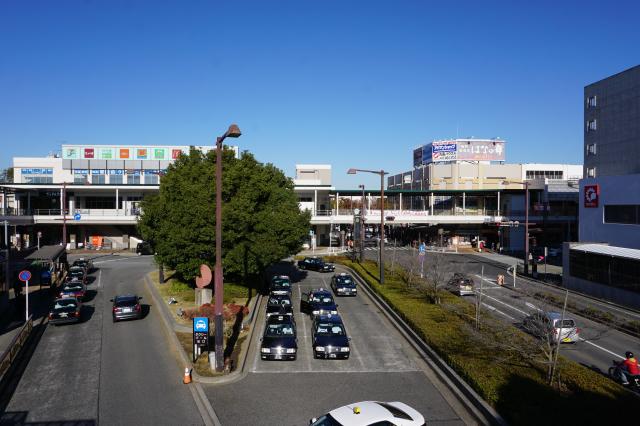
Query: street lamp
[526,222]
[381,173]
[232,132]
[362,213]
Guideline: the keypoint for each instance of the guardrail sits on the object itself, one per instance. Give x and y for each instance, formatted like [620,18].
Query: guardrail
[16,344]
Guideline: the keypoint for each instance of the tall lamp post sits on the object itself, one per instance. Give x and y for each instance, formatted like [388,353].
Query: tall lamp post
[232,132]
[381,173]
[526,222]
[362,213]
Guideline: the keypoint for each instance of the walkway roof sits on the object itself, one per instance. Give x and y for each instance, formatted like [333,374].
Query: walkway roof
[46,253]
[608,250]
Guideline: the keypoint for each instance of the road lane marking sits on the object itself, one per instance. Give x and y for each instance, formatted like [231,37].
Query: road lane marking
[493,308]
[503,303]
[120,259]
[304,331]
[600,347]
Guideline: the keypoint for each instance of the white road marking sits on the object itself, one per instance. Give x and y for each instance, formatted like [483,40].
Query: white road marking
[304,332]
[116,260]
[99,279]
[501,302]
[493,308]
[600,347]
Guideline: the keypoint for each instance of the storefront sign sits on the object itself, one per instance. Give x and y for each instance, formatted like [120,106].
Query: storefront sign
[591,195]
[443,151]
[37,171]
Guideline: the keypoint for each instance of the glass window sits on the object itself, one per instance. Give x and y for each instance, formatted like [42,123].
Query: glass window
[151,179]
[115,179]
[592,125]
[591,172]
[81,179]
[98,179]
[133,179]
[591,149]
[592,101]
[624,214]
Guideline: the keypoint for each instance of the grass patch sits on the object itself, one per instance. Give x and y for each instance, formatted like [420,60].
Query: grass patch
[514,386]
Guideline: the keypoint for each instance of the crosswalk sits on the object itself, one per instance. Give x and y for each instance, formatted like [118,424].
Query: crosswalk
[404,248]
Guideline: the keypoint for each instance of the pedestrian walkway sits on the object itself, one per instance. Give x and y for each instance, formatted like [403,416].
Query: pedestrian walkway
[552,270]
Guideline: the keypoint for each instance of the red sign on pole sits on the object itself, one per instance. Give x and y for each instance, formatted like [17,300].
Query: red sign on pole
[591,195]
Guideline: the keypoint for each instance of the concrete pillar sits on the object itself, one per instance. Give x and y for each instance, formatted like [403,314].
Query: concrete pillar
[499,209]
[337,204]
[315,202]
[431,202]
[61,206]
[28,202]
[400,202]
[117,201]
[464,203]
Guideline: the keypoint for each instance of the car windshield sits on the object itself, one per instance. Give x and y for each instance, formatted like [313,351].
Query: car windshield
[326,420]
[129,301]
[65,305]
[72,286]
[275,330]
[278,301]
[329,329]
[322,300]
[281,285]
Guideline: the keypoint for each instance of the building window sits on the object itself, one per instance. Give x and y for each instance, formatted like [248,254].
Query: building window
[98,179]
[591,172]
[305,199]
[80,179]
[115,179]
[37,179]
[133,179]
[100,203]
[151,179]
[544,174]
[622,214]
[591,149]
[592,125]
[592,101]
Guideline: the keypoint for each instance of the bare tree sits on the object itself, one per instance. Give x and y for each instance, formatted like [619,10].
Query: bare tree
[436,275]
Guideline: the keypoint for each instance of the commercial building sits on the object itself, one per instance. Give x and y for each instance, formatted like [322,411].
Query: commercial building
[98,187]
[606,262]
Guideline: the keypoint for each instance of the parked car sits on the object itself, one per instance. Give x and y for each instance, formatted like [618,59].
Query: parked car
[280,284]
[461,284]
[144,248]
[64,311]
[547,325]
[76,289]
[367,413]
[329,338]
[86,264]
[279,304]
[318,302]
[77,273]
[279,340]
[343,285]
[315,264]
[126,307]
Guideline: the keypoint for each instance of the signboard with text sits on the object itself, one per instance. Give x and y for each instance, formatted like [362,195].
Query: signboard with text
[481,151]
[443,151]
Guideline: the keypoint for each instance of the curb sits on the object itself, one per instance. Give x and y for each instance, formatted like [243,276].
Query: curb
[172,327]
[479,409]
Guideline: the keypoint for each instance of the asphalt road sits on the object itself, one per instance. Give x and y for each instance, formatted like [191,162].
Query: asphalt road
[98,371]
[600,345]
[382,366]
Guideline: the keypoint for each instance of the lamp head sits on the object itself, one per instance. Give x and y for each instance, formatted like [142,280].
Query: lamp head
[234,131]
[351,172]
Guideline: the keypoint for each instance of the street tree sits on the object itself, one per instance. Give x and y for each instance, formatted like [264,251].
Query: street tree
[262,222]
[435,276]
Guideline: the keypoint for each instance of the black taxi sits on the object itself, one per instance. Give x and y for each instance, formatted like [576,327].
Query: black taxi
[343,285]
[318,302]
[330,338]
[279,339]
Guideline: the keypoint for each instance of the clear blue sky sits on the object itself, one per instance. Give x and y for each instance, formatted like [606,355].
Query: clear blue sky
[353,84]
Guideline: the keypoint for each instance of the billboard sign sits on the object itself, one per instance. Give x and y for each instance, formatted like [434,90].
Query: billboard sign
[480,151]
[443,151]
[591,195]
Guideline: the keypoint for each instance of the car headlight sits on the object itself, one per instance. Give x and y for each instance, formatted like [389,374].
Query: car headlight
[265,350]
[315,312]
[345,349]
[334,312]
[320,348]
[291,350]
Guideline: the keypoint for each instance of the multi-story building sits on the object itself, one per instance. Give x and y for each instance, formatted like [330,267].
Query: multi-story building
[606,261]
[99,188]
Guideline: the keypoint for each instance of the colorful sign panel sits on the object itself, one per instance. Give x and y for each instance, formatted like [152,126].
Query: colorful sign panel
[36,171]
[141,153]
[90,152]
[443,151]
[591,195]
[106,153]
[124,153]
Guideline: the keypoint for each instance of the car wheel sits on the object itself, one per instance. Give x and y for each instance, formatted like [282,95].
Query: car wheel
[114,319]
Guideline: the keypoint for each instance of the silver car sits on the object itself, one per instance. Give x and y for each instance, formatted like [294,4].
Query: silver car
[549,324]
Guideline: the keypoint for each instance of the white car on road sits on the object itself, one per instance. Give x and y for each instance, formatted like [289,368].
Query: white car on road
[370,413]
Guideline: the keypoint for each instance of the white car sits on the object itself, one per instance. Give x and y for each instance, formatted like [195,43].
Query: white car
[369,413]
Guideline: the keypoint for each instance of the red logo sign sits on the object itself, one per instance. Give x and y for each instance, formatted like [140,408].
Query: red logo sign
[176,153]
[88,153]
[591,195]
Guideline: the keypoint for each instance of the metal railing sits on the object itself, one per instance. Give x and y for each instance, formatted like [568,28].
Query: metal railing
[12,211]
[89,212]
[18,341]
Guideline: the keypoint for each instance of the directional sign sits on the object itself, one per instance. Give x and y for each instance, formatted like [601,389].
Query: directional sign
[24,275]
[77,216]
[422,248]
[201,324]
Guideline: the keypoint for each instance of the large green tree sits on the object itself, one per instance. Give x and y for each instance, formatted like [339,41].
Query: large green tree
[262,222]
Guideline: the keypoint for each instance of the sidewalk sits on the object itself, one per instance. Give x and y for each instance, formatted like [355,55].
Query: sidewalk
[554,272]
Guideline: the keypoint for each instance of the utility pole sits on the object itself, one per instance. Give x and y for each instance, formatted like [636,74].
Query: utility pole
[7,267]
[64,215]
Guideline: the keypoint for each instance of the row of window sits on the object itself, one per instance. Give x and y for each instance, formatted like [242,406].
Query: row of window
[591,172]
[592,125]
[612,271]
[544,174]
[592,101]
[591,149]
[116,179]
[628,214]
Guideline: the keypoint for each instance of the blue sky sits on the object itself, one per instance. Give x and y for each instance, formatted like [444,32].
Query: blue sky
[350,83]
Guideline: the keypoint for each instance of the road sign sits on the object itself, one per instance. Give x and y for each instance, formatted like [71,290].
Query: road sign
[24,275]
[422,248]
[200,335]
[77,216]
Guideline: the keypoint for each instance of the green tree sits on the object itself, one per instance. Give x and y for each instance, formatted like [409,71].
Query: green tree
[262,222]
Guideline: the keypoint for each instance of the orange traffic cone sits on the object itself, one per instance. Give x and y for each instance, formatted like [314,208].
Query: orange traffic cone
[187,376]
